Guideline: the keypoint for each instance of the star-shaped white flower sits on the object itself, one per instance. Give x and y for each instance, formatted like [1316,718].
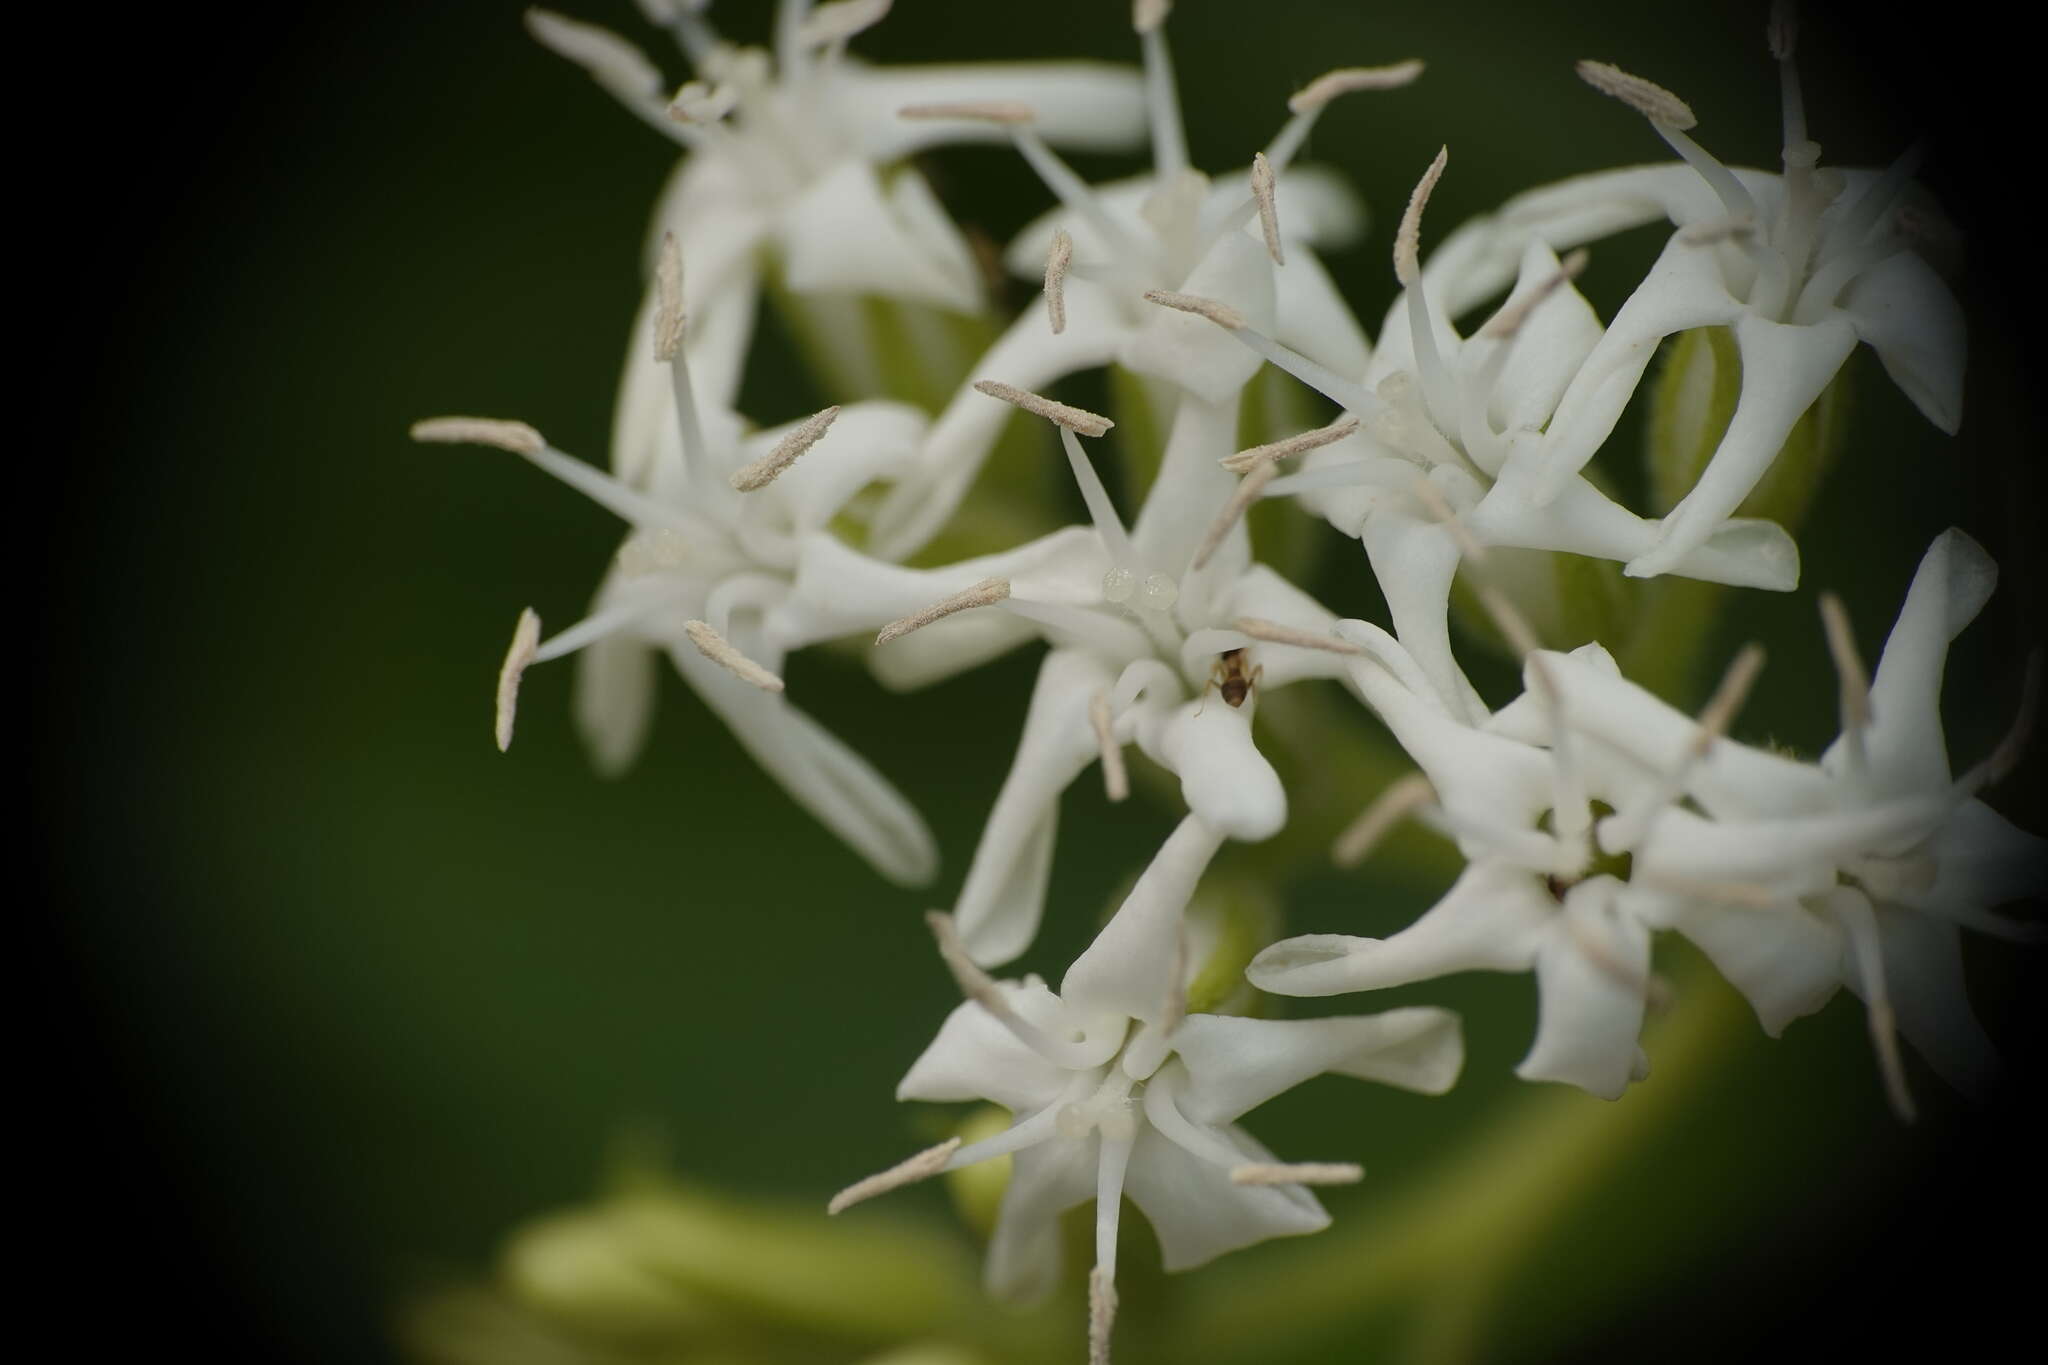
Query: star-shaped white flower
[719,529]
[1799,266]
[1170,231]
[1441,420]
[1116,1091]
[1165,635]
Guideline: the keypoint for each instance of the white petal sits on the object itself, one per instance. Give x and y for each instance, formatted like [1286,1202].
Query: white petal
[1784,369]
[1907,751]
[1223,776]
[1492,919]
[976,1058]
[613,700]
[845,234]
[1592,973]
[1198,1214]
[1415,559]
[1797,853]
[819,772]
[1906,313]
[1024,1253]
[1311,315]
[1089,106]
[1262,593]
[1193,352]
[1234,1065]
[1004,896]
[1923,968]
[1129,970]
[1545,352]
[1786,963]
[867,442]
[1190,485]
[1982,861]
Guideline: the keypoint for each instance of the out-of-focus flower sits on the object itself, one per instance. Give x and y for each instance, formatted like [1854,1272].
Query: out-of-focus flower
[1117,1092]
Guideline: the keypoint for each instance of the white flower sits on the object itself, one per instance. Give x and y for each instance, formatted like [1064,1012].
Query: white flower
[1443,416]
[1142,623]
[1115,1092]
[1862,868]
[1107,247]
[718,533]
[1799,266]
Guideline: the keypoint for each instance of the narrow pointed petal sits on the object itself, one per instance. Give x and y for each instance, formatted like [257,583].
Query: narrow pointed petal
[1312,316]
[1982,861]
[1786,962]
[1199,1215]
[1415,560]
[1546,351]
[1592,973]
[1129,969]
[1190,485]
[847,234]
[1236,1064]
[1493,919]
[1923,966]
[1024,1253]
[975,1057]
[1004,896]
[867,442]
[613,699]
[1906,313]
[1193,352]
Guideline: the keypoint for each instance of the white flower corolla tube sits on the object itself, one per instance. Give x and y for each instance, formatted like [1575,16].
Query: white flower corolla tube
[1800,266]
[1172,230]
[718,532]
[1864,868]
[1163,634]
[1115,1091]
[794,170]
[1439,419]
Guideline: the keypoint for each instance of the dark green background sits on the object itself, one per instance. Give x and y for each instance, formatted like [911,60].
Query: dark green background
[338,994]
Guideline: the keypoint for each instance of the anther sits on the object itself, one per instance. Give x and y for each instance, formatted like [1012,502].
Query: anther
[1004,112]
[1401,798]
[1408,240]
[1057,262]
[1269,214]
[926,1164]
[1728,697]
[1719,230]
[1241,498]
[1147,15]
[1116,780]
[764,471]
[1298,1173]
[525,640]
[516,437]
[1222,314]
[837,20]
[1245,461]
[1101,1315]
[720,651]
[668,307]
[1783,30]
[1078,420]
[1272,632]
[1330,85]
[1647,98]
[986,593]
[1509,319]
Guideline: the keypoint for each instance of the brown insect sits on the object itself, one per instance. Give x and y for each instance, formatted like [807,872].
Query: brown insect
[1230,676]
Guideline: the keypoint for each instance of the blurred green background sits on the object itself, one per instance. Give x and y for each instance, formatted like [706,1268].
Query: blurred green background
[355,995]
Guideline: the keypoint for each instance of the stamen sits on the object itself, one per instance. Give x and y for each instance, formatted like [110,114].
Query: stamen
[1102,512]
[1057,262]
[1647,98]
[1073,419]
[1245,461]
[1269,214]
[1298,1173]
[837,20]
[525,641]
[1007,113]
[1510,318]
[2018,736]
[1162,104]
[668,309]
[1408,240]
[1861,923]
[1242,497]
[762,472]
[1330,85]
[986,593]
[981,988]
[926,1164]
[1401,798]
[1849,672]
[1222,314]
[517,437]
[1147,15]
[1101,1315]
[1345,393]
[1116,780]
[720,651]
[1721,708]
[1783,30]
[1272,632]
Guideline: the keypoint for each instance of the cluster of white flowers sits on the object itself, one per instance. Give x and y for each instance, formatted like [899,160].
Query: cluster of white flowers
[1590,814]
